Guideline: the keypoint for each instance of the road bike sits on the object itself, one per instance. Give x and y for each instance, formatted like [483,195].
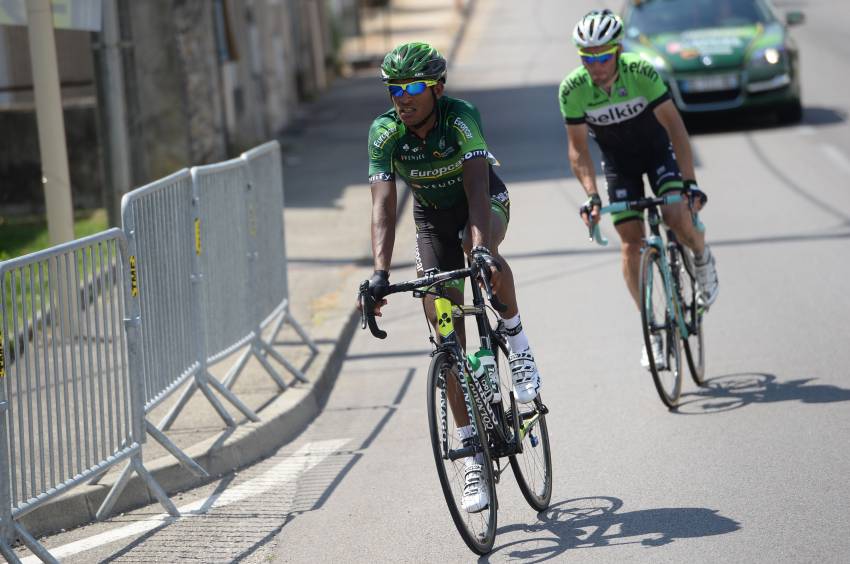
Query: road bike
[501,427]
[669,308]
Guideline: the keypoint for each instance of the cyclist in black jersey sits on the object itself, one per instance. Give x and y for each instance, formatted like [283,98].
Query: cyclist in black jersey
[436,145]
[619,99]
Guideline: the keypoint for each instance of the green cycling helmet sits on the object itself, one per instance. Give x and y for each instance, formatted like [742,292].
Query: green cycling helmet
[413,60]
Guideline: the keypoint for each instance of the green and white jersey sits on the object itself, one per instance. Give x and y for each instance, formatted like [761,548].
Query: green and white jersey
[622,122]
[432,167]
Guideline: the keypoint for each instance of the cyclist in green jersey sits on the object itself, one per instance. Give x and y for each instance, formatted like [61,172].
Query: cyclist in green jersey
[619,99]
[436,145]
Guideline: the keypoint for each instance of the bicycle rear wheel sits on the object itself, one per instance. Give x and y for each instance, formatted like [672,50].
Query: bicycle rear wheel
[693,344]
[478,530]
[532,467]
[660,322]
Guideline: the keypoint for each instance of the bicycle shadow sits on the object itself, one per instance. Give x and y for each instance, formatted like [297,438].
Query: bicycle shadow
[734,391]
[591,522]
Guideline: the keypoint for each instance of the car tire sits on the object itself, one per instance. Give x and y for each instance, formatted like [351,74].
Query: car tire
[790,113]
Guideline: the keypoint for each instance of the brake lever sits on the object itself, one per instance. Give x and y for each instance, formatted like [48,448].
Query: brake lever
[367,308]
[484,275]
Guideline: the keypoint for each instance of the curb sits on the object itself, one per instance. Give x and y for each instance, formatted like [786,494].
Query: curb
[285,417]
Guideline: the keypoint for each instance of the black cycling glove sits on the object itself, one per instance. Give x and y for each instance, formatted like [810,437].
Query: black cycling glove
[379,284]
[587,207]
[481,255]
[693,191]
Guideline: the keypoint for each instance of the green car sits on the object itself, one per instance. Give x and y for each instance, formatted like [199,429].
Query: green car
[719,55]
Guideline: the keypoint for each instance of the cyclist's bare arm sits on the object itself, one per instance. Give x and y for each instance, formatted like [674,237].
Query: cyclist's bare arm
[476,184]
[669,117]
[383,222]
[580,161]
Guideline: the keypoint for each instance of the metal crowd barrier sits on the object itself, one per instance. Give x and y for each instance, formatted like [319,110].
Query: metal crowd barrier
[157,221]
[68,387]
[105,328]
[241,264]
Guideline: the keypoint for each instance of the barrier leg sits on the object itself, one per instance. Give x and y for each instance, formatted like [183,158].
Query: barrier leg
[181,456]
[285,363]
[234,372]
[9,554]
[214,400]
[264,361]
[301,332]
[113,495]
[155,488]
[34,546]
[168,420]
[228,395]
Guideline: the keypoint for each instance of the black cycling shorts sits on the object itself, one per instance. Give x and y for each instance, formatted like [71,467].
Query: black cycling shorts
[625,180]
[439,231]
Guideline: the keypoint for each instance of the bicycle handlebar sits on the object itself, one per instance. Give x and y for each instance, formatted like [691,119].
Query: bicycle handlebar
[368,302]
[595,234]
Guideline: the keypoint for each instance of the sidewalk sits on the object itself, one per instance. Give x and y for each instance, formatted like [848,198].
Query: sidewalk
[327,211]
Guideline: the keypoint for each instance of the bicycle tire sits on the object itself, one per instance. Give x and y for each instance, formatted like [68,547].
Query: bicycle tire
[657,319]
[694,345]
[532,467]
[478,530]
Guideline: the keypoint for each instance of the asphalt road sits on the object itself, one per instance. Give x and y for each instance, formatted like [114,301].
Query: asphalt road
[751,469]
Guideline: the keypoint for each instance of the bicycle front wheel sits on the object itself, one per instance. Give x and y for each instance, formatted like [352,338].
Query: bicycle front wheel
[478,530]
[693,344]
[659,323]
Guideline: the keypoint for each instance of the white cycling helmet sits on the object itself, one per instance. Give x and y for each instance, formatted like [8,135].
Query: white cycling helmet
[599,27]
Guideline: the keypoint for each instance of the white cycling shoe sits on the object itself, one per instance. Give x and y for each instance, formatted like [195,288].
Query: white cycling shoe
[526,378]
[708,285]
[474,497]
[657,354]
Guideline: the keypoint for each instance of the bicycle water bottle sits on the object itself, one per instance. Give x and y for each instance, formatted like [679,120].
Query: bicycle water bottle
[488,361]
[481,376]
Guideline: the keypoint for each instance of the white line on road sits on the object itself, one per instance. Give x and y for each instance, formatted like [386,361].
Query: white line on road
[288,470]
[836,156]
[806,130]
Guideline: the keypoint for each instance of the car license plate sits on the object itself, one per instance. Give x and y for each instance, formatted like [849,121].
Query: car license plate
[711,83]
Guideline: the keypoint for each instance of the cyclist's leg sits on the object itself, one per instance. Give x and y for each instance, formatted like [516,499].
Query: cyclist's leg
[631,232]
[437,247]
[665,178]
[500,206]
[624,186]
[525,376]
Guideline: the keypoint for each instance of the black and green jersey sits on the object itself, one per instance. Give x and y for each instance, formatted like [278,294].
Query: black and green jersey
[432,167]
[622,122]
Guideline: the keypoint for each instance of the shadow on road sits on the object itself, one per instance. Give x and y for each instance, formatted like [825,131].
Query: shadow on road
[734,391]
[591,522]
[739,122]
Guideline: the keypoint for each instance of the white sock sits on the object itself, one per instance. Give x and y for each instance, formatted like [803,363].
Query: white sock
[464,433]
[517,340]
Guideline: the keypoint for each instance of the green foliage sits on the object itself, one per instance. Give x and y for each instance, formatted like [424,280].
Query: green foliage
[21,236]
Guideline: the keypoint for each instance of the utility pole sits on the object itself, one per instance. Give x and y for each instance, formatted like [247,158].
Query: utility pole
[111,105]
[51,124]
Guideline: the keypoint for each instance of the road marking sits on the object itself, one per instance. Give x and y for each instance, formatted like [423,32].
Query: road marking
[806,130]
[836,156]
[289,470]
